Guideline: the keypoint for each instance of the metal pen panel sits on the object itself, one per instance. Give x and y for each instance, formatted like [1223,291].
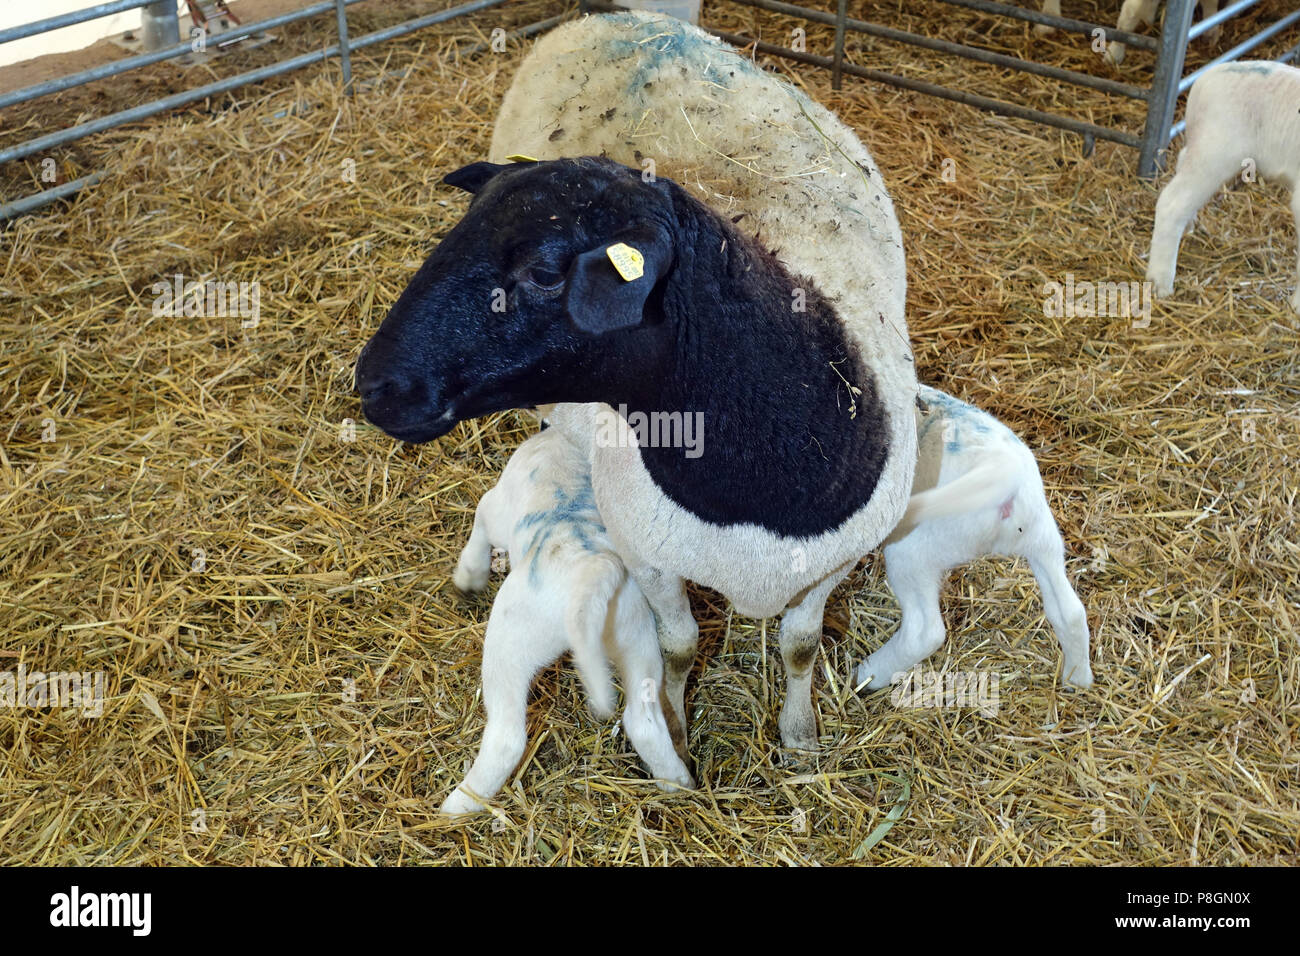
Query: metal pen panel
[71,19]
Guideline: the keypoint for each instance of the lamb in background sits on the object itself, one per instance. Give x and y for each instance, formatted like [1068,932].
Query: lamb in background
[566,591]
[1133,13]
[977,492]
[1237,114]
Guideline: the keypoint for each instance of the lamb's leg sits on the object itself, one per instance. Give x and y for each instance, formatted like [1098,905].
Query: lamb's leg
[476,557]
[1062,605]
[1054,8]
[641,670]
[1130,15]
[801,634]
[915,578]
[1295,209]
[678,639]
[1199,178]
[516,648]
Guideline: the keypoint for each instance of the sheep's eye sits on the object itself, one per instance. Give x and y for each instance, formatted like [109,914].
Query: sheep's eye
[546,279]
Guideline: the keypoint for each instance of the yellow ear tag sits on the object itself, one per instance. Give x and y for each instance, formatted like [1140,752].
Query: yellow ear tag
[629,263]
[520,158]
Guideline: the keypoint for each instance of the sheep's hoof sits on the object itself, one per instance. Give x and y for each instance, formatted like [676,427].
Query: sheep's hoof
[1115,54]
[1043,30]
[800,734]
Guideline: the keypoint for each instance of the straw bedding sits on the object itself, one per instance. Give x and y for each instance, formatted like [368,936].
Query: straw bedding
[306,690]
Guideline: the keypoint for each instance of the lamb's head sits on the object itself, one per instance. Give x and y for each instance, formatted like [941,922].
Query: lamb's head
[521,304]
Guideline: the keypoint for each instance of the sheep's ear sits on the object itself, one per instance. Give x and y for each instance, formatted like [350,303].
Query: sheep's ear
[473,177]
[599,298]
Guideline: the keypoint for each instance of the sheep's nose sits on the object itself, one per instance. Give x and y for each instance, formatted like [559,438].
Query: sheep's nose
[375,390]
[356,369]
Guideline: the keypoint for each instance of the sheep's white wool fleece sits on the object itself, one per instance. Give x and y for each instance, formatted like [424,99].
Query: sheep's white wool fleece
[641,86]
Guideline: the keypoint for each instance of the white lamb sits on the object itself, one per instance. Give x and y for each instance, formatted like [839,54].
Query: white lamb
[566,591]
[1237,114]
[977,492]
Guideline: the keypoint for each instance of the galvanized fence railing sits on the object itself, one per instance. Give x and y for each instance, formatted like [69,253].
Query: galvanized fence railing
[162,42]
[170,47]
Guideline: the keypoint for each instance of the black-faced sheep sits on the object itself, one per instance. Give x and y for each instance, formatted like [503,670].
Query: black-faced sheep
[797,358]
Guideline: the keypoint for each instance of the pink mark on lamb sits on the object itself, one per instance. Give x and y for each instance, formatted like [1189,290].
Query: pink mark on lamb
[1004,510]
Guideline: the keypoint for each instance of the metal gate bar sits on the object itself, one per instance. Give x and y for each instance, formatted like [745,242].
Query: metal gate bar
[157,56]
[1244,47]
[72,18]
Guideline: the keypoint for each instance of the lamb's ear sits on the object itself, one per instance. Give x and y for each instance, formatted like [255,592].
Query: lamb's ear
[473,177]
[599,298]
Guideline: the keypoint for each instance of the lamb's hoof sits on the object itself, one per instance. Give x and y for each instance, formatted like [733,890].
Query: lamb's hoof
[459,804]
[675,783]
[1080,679]
[470,581]
[866,679]
[1115,54]
[1043,30]
[1160,287]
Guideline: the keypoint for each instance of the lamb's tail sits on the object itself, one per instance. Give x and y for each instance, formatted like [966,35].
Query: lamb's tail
[987,484]
[599,579]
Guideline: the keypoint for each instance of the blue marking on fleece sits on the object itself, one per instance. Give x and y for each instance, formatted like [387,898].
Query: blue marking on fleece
[574,513]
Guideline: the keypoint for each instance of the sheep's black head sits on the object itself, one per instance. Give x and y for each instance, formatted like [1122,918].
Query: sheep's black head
[521,303]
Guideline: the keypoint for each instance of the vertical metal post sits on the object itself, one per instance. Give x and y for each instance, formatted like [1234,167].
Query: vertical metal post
[159,25]
[1164,86]
[837,67]
[345,51]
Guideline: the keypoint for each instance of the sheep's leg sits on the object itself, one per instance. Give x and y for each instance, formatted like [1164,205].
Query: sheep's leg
[1063,607]
[1295,209]
[516,648]
[1130,15]
[476,557]
[1054,8]
[915,580]
[678,639]
[1208,9]
[1193,186]
[801,634]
